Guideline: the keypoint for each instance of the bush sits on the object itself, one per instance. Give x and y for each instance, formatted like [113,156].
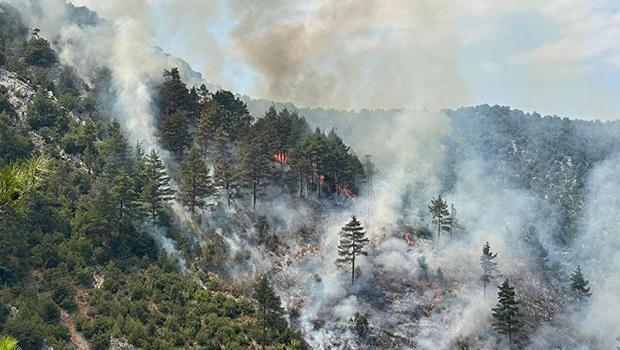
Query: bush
[50,311]
[82,324]
[84,278]
[215,252]
[14,143]
[38,52]
[68,82]
[359,323]
[43,112]
[5,105]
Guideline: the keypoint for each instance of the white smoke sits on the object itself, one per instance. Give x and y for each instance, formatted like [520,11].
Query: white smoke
[598,251]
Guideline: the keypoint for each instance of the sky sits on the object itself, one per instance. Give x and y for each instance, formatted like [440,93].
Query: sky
[554,57]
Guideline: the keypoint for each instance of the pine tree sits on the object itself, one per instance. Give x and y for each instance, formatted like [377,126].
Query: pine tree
[262,229]
[225,172]
[124,195]
[439,211]
[234,119]
[300,165]
[196,183]
[90,155]
[206,128]
[506,313]
[489,266]
[174,133]
[155,185]
[173,95]
[139,162]
[269,308]
[579,286]
[254,162]
[352,242]
[116,151]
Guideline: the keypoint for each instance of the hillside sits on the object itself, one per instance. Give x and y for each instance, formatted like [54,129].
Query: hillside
[141,207]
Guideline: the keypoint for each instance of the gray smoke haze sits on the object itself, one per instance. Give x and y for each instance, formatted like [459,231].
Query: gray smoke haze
[598,250]
[351,54]
[382,54]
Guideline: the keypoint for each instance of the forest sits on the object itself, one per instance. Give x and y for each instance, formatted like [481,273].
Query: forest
[198,218]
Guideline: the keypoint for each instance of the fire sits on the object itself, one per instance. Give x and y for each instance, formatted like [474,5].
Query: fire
[345,192]
[280,157]
[409,239]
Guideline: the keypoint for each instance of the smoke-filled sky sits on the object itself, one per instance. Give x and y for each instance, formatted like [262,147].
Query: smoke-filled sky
[556,56]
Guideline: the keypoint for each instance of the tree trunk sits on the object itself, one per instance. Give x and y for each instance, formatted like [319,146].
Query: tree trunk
[264,327]
[319,182]
[353,270]
[193,194]
[228,193]
[120,215]
[254,193]
[120,211]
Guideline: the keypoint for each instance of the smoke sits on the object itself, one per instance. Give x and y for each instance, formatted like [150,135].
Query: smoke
[164,242]
[352,54]
[597,250]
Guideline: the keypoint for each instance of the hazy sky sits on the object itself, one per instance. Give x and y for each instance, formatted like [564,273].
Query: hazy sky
[556,56]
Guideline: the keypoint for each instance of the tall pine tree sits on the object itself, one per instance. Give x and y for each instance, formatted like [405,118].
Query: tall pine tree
[196,183]
[352,242]
[124,195]
[489,266]
[174,133]
[507,319]
[206,128]
[116,152]
[156,189]
[269,309]
[440,213]
[173,95]
[225,172]
[255,160]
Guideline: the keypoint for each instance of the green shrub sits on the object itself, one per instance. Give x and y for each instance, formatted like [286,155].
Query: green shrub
[43,112]
[38,52]
[84,278]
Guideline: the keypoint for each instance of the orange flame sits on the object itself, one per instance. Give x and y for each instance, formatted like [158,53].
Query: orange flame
[280,157]
[345,192]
